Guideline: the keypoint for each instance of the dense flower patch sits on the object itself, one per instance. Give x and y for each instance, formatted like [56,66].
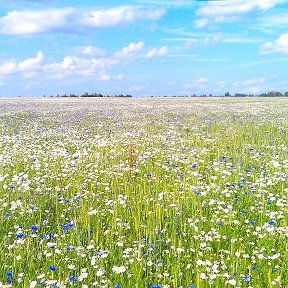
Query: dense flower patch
[143,193]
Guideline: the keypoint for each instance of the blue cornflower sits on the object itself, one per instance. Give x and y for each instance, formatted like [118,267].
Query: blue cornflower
[9,280]
[72,278]
[67,226]
[91,231]
[275,270]
[52,268]
[254,267]
[117,286]
[272,222]
[9,274]
[194,165]
[19,235]
[154,286]
[34,228]
[246,278]
[193,286]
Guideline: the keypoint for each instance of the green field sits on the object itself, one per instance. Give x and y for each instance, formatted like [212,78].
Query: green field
[162,192]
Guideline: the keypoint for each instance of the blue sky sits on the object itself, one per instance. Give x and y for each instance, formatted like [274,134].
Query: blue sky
[143,47]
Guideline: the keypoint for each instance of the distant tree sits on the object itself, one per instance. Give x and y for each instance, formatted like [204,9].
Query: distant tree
[227,94]
[263,94]
[274,94]
[286,94]
[240,95]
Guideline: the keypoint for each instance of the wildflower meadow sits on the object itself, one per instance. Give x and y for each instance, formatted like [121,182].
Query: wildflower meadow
[144,193]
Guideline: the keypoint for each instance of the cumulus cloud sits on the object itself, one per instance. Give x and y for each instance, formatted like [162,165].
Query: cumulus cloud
[157,52]
[130,49]
[229,11]
[91,50]
[31,22]
[88,64]
[72,19]
[32,62]
[26,65]
[119,15]
[215,8]
[280,45]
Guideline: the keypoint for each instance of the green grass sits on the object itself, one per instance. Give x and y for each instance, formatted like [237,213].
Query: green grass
[201,200]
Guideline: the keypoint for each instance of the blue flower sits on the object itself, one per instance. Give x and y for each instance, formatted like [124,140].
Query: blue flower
[193,286]
[254,267]
[72,278]
[246,278]
[117,286]
[272,222]
[9,274]
[154,286]
[34,228]
[67,226]
[19,235]
[9,280]
[52,268]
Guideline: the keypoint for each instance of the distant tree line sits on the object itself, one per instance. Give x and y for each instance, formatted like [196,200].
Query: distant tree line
[227,94]
[86,94]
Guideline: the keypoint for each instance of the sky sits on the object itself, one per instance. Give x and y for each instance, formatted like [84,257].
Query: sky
[143,47]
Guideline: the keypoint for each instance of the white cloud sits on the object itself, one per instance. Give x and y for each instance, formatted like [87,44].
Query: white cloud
[26,65]
[216,8]
[201,81]
[31,22]
[72,19]
[251,86]
[8,67]
[229,11]
[250,82]
[91,50]
[32,62]
[157,52]
[103,76]
[130,49]
[280,45]
[202,22]
[87,65]
[133,47]
[119,15]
